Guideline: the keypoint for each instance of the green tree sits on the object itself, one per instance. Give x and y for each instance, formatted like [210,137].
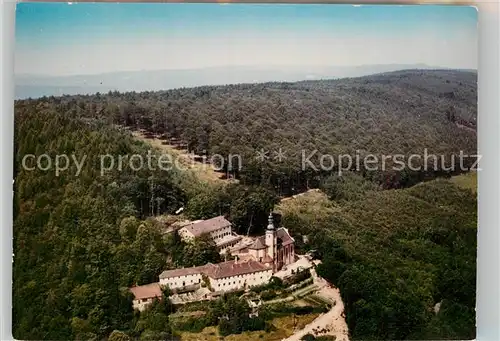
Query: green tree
[117,335]
[348,186]
[201,251]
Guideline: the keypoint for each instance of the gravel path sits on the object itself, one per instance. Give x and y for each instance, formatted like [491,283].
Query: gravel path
[330,323]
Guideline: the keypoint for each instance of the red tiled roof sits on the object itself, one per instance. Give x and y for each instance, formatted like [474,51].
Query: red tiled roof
[257,244]
[285,237]
[282,234]
[235,268]
[185,271]
[267,259]
[230,268]
[206,226]
[146,291]
[228,240]
[245,257]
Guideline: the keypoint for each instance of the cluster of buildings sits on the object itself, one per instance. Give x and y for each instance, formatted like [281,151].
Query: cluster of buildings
[255,261]
[218,228]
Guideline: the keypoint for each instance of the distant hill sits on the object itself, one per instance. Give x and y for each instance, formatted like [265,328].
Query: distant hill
[37,86]
[401,112]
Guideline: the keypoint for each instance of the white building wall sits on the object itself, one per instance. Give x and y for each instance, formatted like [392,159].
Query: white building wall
[238,282]
[213,284]
[227,247]
[142,304]
[181,281]
[254,253]
[261,254]
[257,254]
[271,243]
[219,234]
[216,235]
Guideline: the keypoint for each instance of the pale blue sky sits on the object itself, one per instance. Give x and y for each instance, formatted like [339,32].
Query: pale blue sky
[82,38]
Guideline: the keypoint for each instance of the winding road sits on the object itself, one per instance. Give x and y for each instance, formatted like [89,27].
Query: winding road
[330,323]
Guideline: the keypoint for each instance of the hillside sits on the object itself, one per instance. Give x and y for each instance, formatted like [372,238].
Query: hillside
[396,251]
[153,80]
[400,112]
[76,241]
[83,236]
[395,255]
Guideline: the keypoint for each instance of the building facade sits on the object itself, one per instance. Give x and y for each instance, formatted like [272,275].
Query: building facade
[231,275]
[256,260]
[144,295]
[237,274]
[218,228]
[182,278]
[276,247]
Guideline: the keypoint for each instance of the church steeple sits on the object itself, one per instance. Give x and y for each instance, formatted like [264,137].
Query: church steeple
[270,225]
[271,240]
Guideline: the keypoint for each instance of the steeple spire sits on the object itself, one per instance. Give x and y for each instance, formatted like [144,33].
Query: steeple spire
[271,241]
[270,225]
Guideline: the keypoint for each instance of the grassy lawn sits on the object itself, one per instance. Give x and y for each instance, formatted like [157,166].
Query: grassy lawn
[202,171]
[308,202]
[284,327]
[467,180]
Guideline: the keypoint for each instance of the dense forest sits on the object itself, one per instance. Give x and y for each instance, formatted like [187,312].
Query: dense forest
[82,237]
[399,112]
[76,241]
[396,255]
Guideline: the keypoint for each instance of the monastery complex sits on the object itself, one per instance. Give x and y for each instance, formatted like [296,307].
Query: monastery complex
[255,261]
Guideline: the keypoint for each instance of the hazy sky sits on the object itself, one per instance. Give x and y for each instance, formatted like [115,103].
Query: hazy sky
[68,39]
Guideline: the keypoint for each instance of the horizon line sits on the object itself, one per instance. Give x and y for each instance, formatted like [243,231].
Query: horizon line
[433,67]
[121,91]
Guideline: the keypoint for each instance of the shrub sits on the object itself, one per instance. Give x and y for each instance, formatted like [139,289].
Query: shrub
[299,277]
[300,285]
[117,335]
[192,324]
[308,337]
[275,283]
[268,295]
[254,323]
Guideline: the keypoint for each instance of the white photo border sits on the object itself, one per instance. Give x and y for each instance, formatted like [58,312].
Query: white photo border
[488,276]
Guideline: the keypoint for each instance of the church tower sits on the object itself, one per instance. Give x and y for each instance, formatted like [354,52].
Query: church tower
[271,239]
